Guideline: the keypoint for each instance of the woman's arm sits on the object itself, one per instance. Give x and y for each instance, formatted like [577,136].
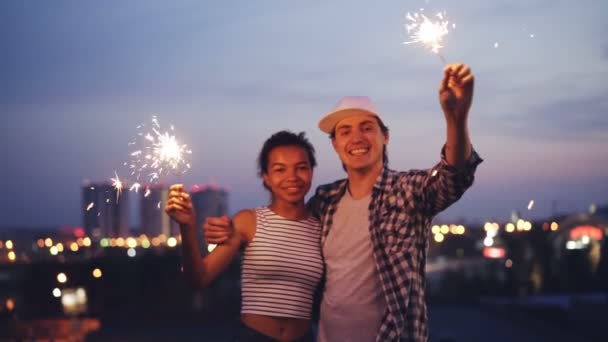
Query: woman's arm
[199,271]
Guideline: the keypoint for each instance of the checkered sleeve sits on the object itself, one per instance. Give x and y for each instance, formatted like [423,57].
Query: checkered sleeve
[444,184]
[317,204]
[313,206]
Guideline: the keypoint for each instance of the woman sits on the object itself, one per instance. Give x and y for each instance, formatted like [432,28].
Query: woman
[282,263]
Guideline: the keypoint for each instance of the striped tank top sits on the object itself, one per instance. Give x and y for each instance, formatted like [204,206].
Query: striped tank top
[282,266]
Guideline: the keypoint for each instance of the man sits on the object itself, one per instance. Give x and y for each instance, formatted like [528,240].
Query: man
[375,222]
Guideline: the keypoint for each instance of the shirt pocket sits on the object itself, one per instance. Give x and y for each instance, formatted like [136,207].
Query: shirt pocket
[397,228]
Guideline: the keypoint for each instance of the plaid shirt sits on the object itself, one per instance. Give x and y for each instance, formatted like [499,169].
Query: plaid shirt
[400,212]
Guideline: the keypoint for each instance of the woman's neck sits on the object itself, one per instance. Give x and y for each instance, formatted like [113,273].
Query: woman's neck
[292,211]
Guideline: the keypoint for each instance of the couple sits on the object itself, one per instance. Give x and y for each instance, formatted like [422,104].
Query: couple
[366,236]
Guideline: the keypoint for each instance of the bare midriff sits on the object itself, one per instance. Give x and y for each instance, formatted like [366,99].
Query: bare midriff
[280,328]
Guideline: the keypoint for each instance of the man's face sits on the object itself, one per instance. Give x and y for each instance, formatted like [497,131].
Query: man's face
[359,142]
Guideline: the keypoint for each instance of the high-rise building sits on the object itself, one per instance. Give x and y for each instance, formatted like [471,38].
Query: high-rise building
[154,220]
[106,213]
[208,201]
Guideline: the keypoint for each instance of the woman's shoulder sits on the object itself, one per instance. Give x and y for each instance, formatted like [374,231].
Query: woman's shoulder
[244,223]
[245,217]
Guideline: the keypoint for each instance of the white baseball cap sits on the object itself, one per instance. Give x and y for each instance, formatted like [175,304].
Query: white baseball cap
[348,106]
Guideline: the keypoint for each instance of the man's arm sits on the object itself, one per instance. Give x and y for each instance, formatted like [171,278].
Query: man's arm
[439,187]
[445,183]
[456,96]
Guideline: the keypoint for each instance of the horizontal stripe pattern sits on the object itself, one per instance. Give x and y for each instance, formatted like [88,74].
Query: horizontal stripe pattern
[282,266]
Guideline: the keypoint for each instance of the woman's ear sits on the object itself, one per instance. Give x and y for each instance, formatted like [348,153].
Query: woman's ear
[265,180]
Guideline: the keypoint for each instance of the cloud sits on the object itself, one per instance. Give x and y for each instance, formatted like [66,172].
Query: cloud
[581,117]
[513,7]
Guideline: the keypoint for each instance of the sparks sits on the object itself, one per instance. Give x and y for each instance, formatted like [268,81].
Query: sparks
[423,30]
[90,206]
[135,187]
[530,205]
[158,153]
[117,184]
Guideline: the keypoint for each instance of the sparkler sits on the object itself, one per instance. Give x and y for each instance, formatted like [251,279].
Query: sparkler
[117,184]
[158,154]
[427,32]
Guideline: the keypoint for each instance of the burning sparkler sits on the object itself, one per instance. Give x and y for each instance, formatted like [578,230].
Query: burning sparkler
[158,154]
[155,154]
[117,184]
[429,33]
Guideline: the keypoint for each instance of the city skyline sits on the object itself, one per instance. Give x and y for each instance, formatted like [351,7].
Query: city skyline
[78,78]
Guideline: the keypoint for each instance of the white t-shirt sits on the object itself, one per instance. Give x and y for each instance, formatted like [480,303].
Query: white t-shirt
[353,303]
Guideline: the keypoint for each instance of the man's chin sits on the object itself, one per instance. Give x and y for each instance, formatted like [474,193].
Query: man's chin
[360,167]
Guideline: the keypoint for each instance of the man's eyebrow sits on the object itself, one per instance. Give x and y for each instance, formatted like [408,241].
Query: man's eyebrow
[343,126]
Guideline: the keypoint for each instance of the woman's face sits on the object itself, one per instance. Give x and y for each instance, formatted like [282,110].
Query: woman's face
[289,173]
